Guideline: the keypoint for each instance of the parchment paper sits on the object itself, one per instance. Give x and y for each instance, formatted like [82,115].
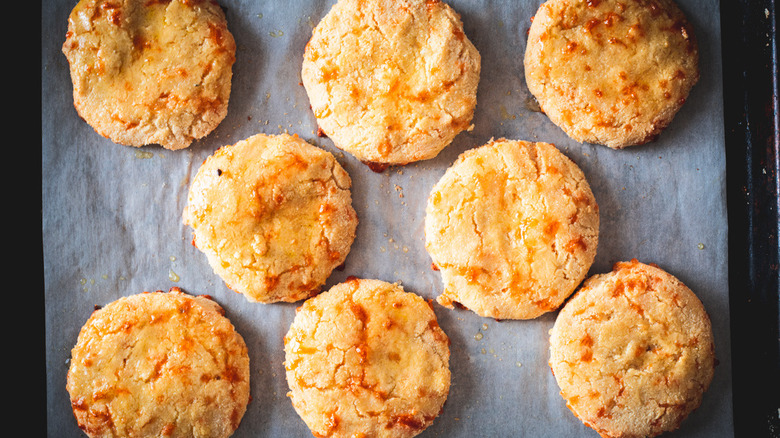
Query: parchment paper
[112,219]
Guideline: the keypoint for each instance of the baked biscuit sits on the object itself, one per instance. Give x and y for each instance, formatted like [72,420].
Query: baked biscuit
[273,214]
[611,72]
[632,351]
[513,228]
[150,72]
[159,364]
[367,359]
[391,81]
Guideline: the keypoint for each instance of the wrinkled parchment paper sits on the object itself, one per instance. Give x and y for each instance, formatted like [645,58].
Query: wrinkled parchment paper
[112,219]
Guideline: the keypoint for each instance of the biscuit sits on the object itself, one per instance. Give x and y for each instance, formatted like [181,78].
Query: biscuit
[150,72]
[611,72]
[513,228]
[273,214]
[159,364]
[367,359]
[632,351]
[391,82]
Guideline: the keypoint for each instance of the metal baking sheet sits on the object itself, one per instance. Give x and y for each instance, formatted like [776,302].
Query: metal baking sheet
[752,122]
[111,219]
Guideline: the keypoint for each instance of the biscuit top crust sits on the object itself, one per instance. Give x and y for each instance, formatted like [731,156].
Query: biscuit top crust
[274,216]
[159,364]
[633,351]
[608,71]
[391,81]
[150,72]
[368,359]
[513,228]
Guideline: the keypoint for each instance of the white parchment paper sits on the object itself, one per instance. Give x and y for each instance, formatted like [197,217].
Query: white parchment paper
[112,219]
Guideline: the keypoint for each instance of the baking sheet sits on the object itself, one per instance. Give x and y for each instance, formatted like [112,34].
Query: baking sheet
[112,219]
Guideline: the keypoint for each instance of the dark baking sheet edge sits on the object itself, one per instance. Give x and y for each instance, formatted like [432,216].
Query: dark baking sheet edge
[753,195]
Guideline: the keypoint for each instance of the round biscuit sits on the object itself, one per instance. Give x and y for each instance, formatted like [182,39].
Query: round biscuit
[611,72]
[632,351]
[159,364]
[150,72]
[513,228]
[391,81]
[274,216]
[368,359]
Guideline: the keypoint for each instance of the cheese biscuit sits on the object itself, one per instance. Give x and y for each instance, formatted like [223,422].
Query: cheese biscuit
[367,359]
[513,228]
[273,214]
[611,72]
[391,81]
[150,72]
[632,352]
[159,364]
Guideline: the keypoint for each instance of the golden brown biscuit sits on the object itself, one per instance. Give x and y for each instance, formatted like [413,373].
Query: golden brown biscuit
[513,228]
[632,351]
[611,72]
[274,216]
[159,364]
[389,81]
[367,359]
[150,72]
